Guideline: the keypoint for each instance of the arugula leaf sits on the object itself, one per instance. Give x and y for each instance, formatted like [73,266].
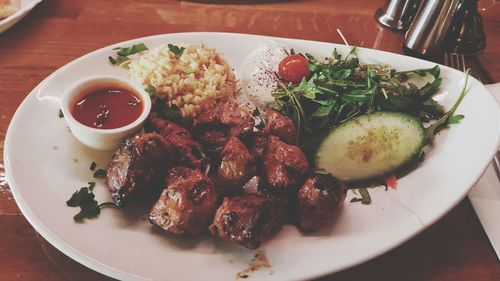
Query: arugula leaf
[435,71]
[455,119]
[323,111]
[430,89]
[176,50]
[443,121]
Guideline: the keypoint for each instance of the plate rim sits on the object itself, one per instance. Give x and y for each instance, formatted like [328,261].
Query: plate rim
[114,272]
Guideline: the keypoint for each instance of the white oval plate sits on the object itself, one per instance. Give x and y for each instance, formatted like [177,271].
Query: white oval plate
[26,7]
[45,165]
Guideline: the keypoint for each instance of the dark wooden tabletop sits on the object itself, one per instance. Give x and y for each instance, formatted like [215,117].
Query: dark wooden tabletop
[57,32]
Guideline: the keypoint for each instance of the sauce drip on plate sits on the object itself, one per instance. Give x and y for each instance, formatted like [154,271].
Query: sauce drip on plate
[107,107]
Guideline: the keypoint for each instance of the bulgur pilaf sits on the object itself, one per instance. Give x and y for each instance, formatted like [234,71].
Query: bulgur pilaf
[195,80]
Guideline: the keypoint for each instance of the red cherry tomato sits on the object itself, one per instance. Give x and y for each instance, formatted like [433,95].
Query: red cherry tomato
[293,68]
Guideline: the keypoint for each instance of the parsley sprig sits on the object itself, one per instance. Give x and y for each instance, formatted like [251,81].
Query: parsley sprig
[122,54]
[176,50]
[85,199]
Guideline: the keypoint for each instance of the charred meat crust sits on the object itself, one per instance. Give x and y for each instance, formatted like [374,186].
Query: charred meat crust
[318,201]
[248,219]
[281,126]
[187,204]
[237,167]
[213,128]
[135,164]
[284,164]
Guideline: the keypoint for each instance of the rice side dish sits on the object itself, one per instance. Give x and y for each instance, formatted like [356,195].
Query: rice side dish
[196,80]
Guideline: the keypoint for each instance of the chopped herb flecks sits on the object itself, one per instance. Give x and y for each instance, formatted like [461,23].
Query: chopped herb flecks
[123,53]
[93,165]
[89,208]
[100,174]
[365,197]
[151,90]
[176,50]
[256,112]
[61,115]
[261,125]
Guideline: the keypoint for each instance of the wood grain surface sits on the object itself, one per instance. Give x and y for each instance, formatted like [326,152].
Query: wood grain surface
[57,32]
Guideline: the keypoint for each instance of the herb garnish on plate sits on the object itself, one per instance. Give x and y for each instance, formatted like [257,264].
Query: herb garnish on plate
[123,53]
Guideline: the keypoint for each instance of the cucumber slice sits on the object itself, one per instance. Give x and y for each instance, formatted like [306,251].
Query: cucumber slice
[371,145]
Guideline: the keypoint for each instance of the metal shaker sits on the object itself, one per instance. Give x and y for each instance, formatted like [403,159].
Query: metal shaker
[397,14]
[429,28]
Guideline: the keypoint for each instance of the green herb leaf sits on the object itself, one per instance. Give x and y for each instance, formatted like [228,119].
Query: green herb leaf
[256,112]
[176,50]
[91,185]
[61,115]
[89,208]
[261,125]
[93,165]
[455,119]
[365,196]
[100,174]
[77,197]
[431,130]
[151,90]
[123,53]
[435,71]
[111,60]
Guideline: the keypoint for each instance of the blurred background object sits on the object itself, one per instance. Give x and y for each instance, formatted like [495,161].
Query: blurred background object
[430,26]
[397,14]
[466,35]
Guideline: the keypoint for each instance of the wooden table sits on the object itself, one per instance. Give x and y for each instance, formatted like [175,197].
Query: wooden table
[57,32]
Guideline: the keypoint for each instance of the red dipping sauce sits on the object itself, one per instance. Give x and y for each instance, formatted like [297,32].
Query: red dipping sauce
[107,107]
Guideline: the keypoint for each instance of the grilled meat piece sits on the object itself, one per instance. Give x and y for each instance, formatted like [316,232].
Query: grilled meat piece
[164,127]
[186,151]
[318,201]
[213,140]
[236,167]
[284,164]
[240,122]
[257,144]
[281,126]
[248,219]
[215,126]
[136,165]
[187,204]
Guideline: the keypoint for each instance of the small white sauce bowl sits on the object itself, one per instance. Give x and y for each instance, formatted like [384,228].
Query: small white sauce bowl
[102,139]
